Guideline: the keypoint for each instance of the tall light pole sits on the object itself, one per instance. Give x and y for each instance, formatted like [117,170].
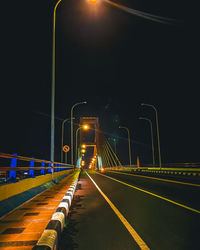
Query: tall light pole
[151,127]
[85,127]
[72,151]
[158,137]
[53,90]
[63,123]
[129,143]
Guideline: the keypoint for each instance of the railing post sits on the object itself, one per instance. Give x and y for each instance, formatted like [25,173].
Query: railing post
[49,169]
[12,173]
[42,170]
[31,171]
[56,169]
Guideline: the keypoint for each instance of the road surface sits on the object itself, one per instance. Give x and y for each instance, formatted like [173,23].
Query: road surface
[131,212]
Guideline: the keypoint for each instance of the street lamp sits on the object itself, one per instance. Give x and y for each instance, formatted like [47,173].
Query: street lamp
[63,123]
[53,90]
[152,106]
[128,142]
[85,127]
[151,127]
[72,150]
[93,1]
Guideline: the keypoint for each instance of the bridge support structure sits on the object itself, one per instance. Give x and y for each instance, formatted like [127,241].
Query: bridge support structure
[90,138]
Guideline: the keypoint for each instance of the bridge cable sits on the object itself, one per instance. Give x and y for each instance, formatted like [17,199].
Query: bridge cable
[111,154]
[108,156]
[104,158]
[114,154]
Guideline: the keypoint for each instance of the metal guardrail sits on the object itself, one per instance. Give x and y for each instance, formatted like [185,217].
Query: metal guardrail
[169,168]
[15,167]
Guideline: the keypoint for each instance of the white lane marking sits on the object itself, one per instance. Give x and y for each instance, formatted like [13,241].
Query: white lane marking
[159,179]
[131,230]
[156,195]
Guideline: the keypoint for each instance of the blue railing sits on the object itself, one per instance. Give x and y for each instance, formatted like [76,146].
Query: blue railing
[14,167]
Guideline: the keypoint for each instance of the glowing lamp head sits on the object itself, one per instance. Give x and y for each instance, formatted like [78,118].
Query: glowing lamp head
[93,1]
[85,126]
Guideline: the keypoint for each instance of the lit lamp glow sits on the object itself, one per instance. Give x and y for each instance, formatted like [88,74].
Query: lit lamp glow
[85,126]
[93,1]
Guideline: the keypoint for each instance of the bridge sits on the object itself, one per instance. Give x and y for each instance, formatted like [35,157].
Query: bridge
[98,203]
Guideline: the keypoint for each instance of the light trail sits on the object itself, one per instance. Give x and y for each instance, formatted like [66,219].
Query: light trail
[151,17]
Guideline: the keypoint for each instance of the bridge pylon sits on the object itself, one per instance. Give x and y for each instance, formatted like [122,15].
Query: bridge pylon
[90,138]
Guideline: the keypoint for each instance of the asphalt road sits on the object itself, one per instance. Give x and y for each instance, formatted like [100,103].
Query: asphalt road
[132,213]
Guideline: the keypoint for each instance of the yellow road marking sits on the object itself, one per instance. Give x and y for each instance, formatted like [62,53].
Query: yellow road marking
[155,178]
[158,196]
[131,230]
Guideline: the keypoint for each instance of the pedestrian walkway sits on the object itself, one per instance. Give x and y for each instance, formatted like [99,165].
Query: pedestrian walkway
[22,228]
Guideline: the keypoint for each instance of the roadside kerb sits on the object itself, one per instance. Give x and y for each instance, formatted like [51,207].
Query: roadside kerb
[50,238]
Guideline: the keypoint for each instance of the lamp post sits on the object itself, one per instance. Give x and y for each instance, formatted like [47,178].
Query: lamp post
[53,90]
[151,127]
[85,127]
[63,123]
[129,143]
[72,151]
[158,137]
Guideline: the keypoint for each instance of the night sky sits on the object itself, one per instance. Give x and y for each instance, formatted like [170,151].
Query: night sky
[111,59]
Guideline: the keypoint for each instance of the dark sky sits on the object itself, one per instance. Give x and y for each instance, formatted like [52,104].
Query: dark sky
[111,59]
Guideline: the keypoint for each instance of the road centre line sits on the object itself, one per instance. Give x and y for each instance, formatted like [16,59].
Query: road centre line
[130,229]
[158,196]
[155,178]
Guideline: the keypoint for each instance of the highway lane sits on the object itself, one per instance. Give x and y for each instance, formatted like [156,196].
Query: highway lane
[92,224]
[180,191]
[160,224]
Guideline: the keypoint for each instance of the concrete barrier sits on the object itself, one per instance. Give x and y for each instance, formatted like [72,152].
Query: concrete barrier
[50,238]
[11,189]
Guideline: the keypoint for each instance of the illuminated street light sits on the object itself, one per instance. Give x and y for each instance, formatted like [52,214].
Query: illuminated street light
[129,143]
[53,95]
[93,1]
[85,127]
[72,146]
[151,127]
[152,106]
[66,120]
[53,89]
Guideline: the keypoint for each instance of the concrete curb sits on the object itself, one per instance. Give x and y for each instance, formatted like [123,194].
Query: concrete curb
[50,238]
